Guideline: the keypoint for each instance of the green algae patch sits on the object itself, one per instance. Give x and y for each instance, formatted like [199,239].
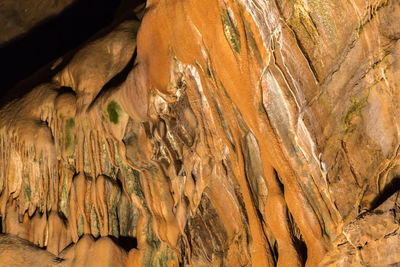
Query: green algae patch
[253,43]
[70,124]
[164,258]
[94,223]
[86,161]
[80,226]
[321,11]
[67,173]
[208,73]
[69,131]
[64,199]
[28,193]
[157,253]
[113,200]
[353,111]
[113,110]
[231,31]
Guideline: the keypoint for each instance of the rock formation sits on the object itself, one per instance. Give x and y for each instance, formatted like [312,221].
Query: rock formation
[212,133]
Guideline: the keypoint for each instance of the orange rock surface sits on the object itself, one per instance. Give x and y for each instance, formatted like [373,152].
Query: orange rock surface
[214,133]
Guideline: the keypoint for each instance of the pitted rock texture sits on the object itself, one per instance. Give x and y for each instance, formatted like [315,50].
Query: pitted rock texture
[215,133]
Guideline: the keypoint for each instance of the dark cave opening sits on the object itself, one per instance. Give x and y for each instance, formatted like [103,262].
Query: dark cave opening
[301,248]
[389,190]
[23,56]
[53,38]
[125,242]
[297,237]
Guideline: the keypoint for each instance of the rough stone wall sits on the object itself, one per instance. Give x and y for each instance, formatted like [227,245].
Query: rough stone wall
[218,133]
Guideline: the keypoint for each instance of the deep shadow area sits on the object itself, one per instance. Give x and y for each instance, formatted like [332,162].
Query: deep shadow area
[125,242]
[301,247]
[53,38]
[389,190]
[297,237]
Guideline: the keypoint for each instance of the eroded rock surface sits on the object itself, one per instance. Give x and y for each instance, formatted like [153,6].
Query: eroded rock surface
[215,133]
[18,17]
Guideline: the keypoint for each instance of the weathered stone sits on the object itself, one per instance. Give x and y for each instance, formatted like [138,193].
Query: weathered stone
[219,133]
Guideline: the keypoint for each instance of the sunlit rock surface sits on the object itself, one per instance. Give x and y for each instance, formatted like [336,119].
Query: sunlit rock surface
[215,133]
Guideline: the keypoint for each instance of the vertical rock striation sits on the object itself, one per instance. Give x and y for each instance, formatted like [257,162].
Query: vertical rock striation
[218,133]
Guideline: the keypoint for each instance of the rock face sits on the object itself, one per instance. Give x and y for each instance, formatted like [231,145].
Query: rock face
[20,16]
[215,133]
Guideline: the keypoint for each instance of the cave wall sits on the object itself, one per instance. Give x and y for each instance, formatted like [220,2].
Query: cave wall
[215,133]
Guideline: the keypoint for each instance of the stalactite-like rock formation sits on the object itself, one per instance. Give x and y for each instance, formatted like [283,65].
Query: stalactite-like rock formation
[214,133]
